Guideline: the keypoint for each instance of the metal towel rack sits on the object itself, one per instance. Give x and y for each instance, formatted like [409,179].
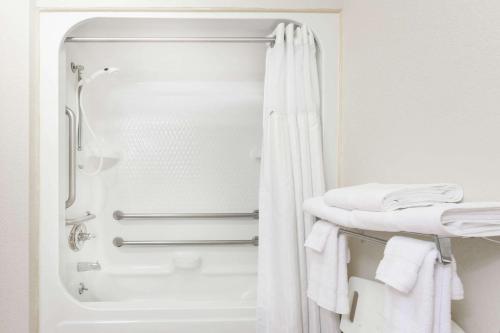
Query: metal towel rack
[119,242]
[119,215]
[443,244]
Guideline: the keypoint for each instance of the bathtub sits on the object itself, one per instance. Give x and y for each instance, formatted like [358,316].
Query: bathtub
[149,117]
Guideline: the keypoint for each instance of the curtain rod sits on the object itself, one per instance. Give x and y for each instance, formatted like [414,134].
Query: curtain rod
[170,39]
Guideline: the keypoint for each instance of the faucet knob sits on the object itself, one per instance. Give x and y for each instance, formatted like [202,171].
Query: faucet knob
[85,236]
[78,236]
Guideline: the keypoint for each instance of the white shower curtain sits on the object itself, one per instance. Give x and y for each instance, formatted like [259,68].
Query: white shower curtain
[291,171]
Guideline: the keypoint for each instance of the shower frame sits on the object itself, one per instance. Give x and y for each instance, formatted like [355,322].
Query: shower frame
[58,310]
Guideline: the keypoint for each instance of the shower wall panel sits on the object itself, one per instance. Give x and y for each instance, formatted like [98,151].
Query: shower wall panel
[182,136]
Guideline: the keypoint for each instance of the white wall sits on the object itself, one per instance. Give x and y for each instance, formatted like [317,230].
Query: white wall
[14,162]
[421,95]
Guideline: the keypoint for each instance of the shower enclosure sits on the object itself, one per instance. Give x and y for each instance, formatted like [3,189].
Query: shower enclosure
[150,134]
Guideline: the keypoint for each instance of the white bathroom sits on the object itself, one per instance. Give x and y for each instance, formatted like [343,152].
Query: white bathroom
[324,166]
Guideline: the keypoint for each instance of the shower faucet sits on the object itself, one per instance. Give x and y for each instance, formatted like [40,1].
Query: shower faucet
[78,236]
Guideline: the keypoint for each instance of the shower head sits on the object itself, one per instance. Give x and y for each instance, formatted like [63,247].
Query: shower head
[105,70]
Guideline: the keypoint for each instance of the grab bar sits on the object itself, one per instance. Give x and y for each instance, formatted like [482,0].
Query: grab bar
[119,242]
[119,215]
[77,220]
[72,158]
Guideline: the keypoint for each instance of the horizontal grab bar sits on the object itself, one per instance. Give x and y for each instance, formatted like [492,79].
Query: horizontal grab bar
[119,242]
[119,215]
[89,216]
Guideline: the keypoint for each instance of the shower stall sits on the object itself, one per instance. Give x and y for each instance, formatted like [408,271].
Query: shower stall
[150,145]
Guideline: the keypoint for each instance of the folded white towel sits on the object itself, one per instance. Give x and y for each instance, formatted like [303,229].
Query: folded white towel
[468,219]
[327,259]
[385,197]
[418,290]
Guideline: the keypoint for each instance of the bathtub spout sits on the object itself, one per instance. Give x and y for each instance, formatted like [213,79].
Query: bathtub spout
[88,266]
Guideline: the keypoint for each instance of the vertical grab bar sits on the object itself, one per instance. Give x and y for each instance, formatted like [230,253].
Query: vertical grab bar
[72,158]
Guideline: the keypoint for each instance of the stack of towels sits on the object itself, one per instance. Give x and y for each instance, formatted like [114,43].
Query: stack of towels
[422,208]
[419,291]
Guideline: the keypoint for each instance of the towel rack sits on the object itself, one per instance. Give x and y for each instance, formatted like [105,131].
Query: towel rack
[119,242]
[119,215]
[443,244]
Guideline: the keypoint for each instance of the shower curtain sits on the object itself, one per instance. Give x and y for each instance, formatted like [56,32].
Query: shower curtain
[291,171]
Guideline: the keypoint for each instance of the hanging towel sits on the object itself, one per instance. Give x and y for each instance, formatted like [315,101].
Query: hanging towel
[328,255]
[385,197]
[443,288]
[418,290]
[403,258]
[468,219]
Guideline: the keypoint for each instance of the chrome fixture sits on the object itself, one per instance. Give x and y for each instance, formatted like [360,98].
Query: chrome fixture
[82,288]
[78,69]
[77,220]
[72,158]
[119,242]
[88,266]
[78,236]
[443,244]
[171,39]
[119,215]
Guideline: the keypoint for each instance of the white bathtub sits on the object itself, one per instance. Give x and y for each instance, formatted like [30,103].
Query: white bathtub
[195,320]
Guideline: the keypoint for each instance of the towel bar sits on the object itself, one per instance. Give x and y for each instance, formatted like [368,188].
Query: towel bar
[443,244]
